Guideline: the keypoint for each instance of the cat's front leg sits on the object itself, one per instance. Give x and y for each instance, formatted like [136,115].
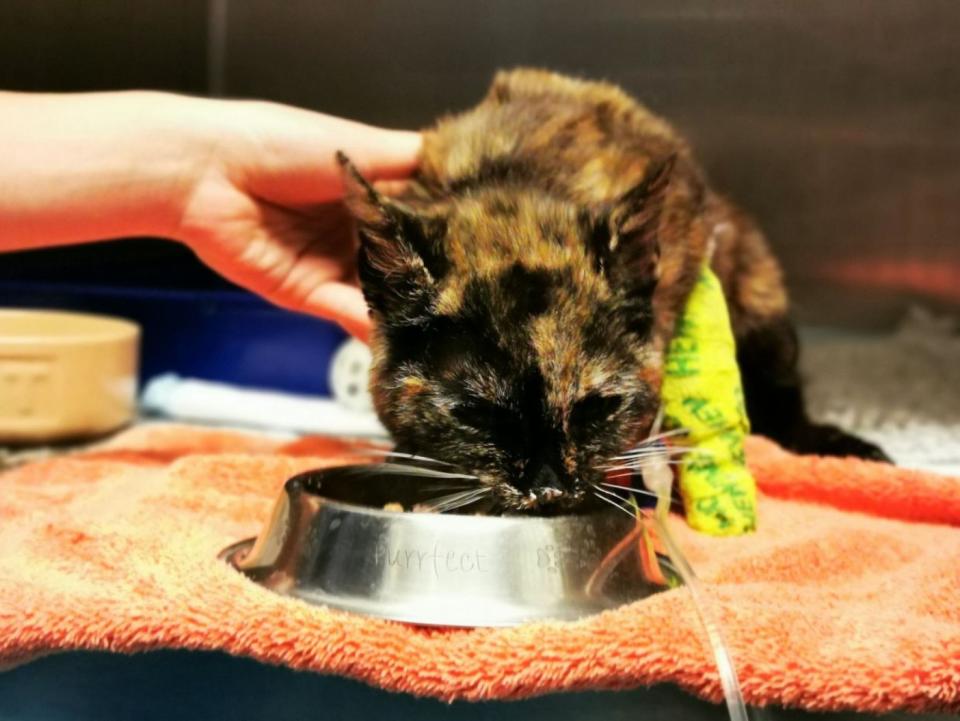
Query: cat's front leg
[768,356]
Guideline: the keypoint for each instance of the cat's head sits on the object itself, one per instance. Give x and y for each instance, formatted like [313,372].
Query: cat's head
[512,332]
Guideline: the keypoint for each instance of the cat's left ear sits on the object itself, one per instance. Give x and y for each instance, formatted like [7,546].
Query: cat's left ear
[401,258]
[629,252]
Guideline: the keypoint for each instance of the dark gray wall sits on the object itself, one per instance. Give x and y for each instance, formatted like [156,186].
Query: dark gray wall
[833,121]
[103,44]
[77,45]
[836,123]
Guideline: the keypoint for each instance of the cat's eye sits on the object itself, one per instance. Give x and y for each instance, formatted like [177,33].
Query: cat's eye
[594,408]
[482,415]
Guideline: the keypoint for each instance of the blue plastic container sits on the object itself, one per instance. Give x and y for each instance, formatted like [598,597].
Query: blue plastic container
[221,335]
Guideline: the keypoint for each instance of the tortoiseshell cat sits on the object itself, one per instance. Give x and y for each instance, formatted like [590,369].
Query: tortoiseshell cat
[524,289]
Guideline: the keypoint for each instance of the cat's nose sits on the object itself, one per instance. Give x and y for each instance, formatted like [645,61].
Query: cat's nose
[543,476]
[546,477]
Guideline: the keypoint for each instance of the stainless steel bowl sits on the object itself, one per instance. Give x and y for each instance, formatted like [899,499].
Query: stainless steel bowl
[330,542]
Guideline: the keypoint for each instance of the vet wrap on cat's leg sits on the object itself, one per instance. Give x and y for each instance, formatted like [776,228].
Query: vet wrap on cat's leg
[702,393]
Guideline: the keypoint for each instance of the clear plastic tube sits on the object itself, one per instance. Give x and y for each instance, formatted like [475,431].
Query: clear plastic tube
[658,478]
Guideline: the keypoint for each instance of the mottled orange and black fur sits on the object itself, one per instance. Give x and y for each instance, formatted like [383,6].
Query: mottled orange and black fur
[525,287]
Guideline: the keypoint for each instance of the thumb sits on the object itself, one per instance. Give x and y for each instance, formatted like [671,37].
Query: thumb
[343,304]
[295,165]
[384,154]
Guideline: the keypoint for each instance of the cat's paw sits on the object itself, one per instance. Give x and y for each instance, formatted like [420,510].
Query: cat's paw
[826,440]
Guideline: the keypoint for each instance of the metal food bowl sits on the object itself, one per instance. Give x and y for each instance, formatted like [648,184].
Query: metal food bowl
[330,542]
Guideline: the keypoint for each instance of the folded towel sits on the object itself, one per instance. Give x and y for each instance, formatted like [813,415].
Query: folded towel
[846,597]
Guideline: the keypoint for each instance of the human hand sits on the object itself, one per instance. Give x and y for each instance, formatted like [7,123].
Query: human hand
[260,204]
[251,187]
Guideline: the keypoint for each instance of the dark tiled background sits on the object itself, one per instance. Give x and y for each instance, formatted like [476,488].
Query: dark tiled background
[835,123]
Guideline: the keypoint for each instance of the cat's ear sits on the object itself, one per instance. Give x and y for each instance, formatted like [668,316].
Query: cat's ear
[629,250]
[401,257]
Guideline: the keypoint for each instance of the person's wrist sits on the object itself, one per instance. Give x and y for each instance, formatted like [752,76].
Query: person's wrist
[186,132]
[216,141]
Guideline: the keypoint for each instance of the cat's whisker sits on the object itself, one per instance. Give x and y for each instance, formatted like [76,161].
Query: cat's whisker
[634,460]
[611,494]
[638,457]
[663,451]
[658,442]
[638,466]
[476,492]
[625,501]
[648,456]
[616,505]
[432,474]
[397,454]
[628,470]
[638,491]
[447,506]
[457,494]
[656,451]
[454,501]
[613,476]
[453,487]
[666,434]
[416,457]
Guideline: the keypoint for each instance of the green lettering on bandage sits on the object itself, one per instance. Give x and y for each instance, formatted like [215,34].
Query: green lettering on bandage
[703,394]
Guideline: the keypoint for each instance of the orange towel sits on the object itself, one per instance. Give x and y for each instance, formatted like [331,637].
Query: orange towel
[848,597]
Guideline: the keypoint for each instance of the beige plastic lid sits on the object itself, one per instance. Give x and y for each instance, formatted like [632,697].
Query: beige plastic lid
[65,375]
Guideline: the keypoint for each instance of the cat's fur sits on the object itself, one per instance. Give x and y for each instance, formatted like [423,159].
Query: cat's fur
[524,289]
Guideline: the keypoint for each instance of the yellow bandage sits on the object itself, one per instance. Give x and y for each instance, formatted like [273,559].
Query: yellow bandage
[702,393]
